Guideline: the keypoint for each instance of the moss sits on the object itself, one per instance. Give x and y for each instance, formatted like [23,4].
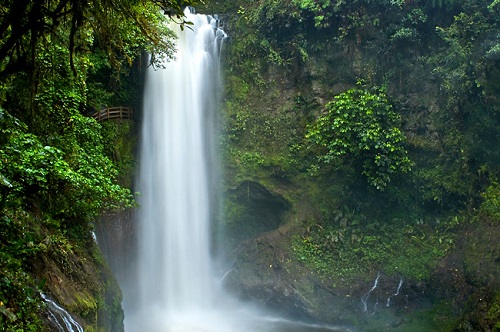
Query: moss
[120,140]
[493,314]
[482,254]
[86,305]
[438,318]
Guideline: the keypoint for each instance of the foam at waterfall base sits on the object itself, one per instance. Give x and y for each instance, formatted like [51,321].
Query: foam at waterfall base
[237,319]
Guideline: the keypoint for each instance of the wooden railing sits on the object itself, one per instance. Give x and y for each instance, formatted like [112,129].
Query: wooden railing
[114,113]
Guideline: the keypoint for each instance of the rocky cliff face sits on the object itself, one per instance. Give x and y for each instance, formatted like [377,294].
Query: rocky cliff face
[319,257]
[458,295]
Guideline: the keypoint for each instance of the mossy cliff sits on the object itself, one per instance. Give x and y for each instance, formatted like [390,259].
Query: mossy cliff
[372,127]
[69,270]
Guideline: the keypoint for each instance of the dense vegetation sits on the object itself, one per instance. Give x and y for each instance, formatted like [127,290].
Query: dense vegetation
[376,121]
[60,61]
[389,174]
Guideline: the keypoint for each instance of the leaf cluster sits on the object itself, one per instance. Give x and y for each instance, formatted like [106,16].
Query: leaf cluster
[361,125]
[490,208]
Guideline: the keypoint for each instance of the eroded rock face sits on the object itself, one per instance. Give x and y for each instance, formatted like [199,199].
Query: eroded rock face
[265,272]
[259,275]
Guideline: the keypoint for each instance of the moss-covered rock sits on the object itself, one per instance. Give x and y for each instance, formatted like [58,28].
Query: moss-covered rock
[79,281]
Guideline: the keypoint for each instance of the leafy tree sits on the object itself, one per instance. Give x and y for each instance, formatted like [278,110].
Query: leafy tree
[361,125]
[118,25]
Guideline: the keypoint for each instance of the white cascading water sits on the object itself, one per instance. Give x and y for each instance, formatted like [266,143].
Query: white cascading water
[176,288]
[175,277]
[59,317]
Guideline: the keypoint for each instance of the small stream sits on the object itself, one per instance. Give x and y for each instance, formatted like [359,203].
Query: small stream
[59,317]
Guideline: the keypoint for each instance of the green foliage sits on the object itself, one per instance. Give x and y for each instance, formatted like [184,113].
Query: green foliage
[362,125]
[317,8]
[26,163]
[459,66]
[122,29]
[444,83]
[118,140]
[135,27]
[493,4]
[349,247]
[58,61]
[35,170]
[19,303]
[490,207]
[466,120]
[493,314]
[283,42]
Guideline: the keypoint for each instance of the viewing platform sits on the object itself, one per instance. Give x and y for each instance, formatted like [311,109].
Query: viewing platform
[112,113]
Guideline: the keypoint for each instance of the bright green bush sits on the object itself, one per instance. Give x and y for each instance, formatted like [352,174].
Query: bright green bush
[360,125]
[34,172]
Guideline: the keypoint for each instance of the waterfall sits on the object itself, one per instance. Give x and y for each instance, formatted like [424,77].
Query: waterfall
[395,294]
[175,288]
[176,170]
